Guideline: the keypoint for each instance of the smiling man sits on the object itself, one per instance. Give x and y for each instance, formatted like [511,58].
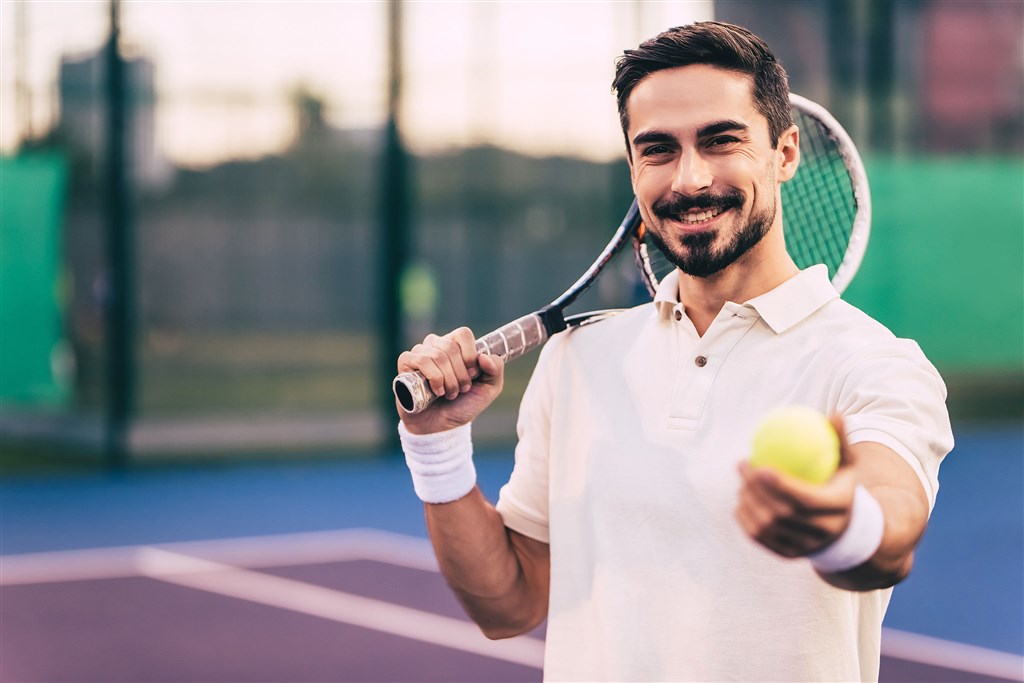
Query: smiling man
[632,522]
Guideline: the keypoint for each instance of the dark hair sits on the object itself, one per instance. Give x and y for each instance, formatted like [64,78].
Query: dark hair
[725,46]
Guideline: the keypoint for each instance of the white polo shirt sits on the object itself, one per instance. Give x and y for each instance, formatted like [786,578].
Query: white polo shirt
[630,434]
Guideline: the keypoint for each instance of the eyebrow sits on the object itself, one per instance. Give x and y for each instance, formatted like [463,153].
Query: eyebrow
[722,127]
[653,136]
[660,136]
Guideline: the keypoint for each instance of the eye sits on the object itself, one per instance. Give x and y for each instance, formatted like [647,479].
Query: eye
[656,150]
[722,140]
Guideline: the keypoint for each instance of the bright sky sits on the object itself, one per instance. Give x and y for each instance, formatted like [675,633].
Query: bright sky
[534,76]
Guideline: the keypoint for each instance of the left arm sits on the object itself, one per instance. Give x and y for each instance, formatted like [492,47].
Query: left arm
[794,518]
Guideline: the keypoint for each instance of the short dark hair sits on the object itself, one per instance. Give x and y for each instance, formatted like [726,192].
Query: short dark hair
[718,44]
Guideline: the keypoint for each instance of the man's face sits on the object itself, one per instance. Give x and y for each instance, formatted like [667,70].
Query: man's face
[703,167]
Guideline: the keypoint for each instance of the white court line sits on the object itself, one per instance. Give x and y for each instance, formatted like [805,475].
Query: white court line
[913,647]
[258,551]
[335,605]
[406,551]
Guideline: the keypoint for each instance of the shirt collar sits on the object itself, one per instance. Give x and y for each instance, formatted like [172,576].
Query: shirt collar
[781,308]
[666,297]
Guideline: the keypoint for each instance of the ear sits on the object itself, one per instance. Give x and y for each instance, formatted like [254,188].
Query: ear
[788,151]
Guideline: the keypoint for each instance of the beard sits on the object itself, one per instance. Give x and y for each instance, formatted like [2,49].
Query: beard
[695,254]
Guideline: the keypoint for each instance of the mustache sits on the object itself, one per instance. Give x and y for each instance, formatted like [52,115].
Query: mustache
[668,207]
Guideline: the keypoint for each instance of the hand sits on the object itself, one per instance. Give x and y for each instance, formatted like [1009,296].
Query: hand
[794,518]
[465,382]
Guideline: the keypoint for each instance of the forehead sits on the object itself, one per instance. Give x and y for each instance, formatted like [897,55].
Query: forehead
[684,98]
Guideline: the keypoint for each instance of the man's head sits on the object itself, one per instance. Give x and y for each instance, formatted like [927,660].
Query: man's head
[706,115]
[721,45]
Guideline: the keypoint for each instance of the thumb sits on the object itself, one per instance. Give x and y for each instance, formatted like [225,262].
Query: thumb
[846,457]
[493,368]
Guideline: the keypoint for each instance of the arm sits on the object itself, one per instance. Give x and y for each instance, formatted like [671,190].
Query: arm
[794,518]
[500,576]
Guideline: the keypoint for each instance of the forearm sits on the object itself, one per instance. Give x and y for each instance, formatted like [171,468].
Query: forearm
[500,577]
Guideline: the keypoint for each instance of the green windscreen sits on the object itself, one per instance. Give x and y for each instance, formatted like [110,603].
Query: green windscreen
[34,368]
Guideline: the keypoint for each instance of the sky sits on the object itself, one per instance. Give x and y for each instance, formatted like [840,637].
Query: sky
[532,76]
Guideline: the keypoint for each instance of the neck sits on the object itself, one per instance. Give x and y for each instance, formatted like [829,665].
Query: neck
[766,266]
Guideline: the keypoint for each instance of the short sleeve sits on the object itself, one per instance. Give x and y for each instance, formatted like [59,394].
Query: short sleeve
[894,396]
[523,501]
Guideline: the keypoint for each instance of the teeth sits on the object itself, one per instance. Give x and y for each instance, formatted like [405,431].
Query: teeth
[700,216]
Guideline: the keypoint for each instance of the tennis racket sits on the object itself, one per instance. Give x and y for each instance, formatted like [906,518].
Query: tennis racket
[827,218]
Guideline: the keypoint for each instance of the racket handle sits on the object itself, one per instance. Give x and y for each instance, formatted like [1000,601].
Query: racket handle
[507,342]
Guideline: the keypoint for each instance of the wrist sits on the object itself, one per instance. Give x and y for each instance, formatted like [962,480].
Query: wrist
[441,464]
[859,541]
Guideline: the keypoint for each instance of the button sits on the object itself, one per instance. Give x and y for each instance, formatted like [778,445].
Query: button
[678,315]
[701,361]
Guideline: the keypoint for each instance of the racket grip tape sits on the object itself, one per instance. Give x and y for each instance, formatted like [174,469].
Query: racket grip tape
[507,342]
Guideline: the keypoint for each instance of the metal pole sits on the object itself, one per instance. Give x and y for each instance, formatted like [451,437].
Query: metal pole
[22,94]
[842,71]
[394,230]
[120,249]
[881,68]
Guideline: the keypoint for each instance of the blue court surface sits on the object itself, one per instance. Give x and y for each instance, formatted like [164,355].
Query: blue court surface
[321,571]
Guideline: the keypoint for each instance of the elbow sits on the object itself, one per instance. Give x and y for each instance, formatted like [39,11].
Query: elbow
[509,628]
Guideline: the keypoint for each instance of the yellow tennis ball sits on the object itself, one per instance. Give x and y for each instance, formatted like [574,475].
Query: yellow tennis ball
[799,441]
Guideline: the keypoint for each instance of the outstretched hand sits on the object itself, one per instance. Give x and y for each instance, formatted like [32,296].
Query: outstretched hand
[792,517]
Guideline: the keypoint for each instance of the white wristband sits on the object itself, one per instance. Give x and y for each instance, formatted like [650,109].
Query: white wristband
[441,464]
[859,542]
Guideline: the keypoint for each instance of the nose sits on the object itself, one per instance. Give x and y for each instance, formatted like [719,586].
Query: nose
[692,174]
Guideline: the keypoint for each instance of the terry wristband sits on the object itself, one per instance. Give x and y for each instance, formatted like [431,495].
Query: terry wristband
[858,543]
[441,464]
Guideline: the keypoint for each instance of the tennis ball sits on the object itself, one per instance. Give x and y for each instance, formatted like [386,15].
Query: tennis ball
[799,441]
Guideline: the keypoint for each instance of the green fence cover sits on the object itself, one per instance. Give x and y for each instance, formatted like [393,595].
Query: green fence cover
[34,366]
[945,262]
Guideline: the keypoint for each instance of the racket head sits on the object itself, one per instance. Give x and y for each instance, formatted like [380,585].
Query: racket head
[826,206]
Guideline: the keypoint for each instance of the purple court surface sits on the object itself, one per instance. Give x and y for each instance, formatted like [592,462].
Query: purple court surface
[320,571]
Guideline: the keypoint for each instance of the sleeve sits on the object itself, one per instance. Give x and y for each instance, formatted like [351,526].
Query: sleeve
[895,396]
[523,501]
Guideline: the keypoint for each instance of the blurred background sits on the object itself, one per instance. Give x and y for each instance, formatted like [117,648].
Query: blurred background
[223,220]
[220,222]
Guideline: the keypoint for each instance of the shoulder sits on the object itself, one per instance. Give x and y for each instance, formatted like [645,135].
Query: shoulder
[609,334]
[852,333]
[622,323]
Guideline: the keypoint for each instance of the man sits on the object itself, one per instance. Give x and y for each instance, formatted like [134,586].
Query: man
[631,521]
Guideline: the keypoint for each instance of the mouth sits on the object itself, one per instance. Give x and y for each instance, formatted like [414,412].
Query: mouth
[698,219]
[695,217]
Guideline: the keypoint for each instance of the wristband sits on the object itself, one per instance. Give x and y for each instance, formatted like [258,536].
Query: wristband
[858,543]
[441,464]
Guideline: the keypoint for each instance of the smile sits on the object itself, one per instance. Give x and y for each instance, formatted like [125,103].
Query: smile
[698,217]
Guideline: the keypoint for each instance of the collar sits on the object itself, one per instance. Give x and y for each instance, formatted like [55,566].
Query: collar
[781,308]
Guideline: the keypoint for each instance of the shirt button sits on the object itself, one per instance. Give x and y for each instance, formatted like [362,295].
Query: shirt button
[678,315]
[701,361]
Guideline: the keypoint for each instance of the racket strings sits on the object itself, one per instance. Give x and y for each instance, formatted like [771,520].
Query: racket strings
[819,203]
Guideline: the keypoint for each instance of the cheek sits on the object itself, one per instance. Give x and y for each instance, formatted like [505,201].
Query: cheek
[649,179]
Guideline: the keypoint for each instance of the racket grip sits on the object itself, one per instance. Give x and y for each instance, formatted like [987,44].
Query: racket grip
[507,342]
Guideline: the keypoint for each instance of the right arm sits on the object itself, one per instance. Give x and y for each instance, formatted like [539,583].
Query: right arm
[500,576]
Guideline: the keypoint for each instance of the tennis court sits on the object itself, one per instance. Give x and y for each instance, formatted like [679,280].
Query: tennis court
[320,571]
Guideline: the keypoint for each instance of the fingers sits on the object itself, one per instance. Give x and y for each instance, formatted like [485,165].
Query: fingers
[845,453]
[449,363]
[789,516]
